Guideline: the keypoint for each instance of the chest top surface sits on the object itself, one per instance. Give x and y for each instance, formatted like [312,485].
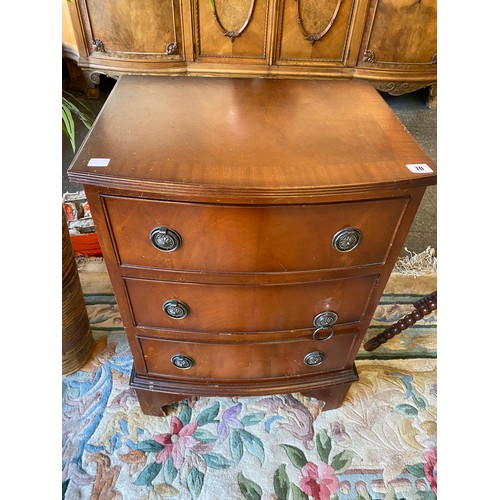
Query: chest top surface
[248,137]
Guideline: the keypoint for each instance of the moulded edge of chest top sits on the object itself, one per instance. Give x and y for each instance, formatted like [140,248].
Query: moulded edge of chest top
[238,196]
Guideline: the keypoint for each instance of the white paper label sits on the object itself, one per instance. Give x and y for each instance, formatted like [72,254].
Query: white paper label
[419,168]
[98,162]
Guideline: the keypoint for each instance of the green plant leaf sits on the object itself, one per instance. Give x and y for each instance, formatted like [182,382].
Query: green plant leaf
[149,446]
[148,474]
[185,414]
[323,445]
[416,469]
[298,494]
[212,4]
[406,409]
[82,112]
[169,471]
[236,445]
[295,455]
[195,482]
[281,482]
[253,418]
[204,436]
[208,415]
[253,444]
[68,125]
[217,461]
[249,489]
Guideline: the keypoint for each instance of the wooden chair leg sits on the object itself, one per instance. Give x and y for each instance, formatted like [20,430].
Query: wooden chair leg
[422,306]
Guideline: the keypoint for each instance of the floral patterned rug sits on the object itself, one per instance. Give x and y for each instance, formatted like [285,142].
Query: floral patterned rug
[381,444]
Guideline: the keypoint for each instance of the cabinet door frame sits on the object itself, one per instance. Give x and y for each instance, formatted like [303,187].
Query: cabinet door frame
[368,59]
[205,57]
[95,49]
[351,45]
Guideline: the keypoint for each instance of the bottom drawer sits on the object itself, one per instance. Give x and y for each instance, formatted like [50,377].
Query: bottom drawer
[245,360]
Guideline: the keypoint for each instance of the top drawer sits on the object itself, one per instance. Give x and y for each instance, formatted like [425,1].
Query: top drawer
[249,239]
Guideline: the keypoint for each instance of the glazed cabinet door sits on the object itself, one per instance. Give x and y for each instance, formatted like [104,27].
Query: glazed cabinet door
[232,32]
[319,32]
[400,34]
[148,30]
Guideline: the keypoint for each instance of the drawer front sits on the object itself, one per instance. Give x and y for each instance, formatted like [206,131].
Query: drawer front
[245,360]
[224,238]
[246,308]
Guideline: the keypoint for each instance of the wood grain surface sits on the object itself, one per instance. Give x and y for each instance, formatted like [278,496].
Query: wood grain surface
[248,137]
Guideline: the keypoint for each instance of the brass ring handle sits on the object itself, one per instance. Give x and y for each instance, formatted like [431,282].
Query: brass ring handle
[182,362]
[325,319]
[346,239]
[314,358]
[176,309]
[317,332]
[165,239]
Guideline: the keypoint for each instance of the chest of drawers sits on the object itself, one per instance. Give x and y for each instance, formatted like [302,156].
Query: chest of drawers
[249,227]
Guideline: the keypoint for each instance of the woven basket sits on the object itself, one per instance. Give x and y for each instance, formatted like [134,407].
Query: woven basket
[77,341]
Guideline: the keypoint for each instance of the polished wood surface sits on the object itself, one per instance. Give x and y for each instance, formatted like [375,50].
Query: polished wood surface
[157,394]
[256,177]
[247,308]
[127,30]
[398,52]
[400,34]
[321,37]
[231,38]
[298,238]
[215,363]
[155,132]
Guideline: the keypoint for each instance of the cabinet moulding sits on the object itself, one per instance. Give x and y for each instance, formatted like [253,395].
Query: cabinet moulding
[314,37]
[232,34]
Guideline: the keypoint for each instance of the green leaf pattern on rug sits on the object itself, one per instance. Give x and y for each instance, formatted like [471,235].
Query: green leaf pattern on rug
[281,483]
[323,445]
[416,469]
[148,474]
[236,445]
[296,455]
[406,409]
[297,493]
[342,461]
[249,489]
[195,482]
[253,448]
[169,471]
[252,444]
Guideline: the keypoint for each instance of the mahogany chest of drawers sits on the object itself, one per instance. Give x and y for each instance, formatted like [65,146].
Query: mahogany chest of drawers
[249,227]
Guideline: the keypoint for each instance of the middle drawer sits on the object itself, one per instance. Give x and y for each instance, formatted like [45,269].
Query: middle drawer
[246,308]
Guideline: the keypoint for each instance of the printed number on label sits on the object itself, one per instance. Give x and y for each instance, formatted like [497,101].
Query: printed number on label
[419,168]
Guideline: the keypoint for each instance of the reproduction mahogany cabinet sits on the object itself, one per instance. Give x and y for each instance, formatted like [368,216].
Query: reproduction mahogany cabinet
[391,43]
[249,227]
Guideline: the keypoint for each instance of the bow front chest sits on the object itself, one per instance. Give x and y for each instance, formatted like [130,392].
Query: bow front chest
[249,227]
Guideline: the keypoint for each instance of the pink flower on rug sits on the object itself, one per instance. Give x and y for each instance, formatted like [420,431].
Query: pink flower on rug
[176,442]
[431,469]
[318,481]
